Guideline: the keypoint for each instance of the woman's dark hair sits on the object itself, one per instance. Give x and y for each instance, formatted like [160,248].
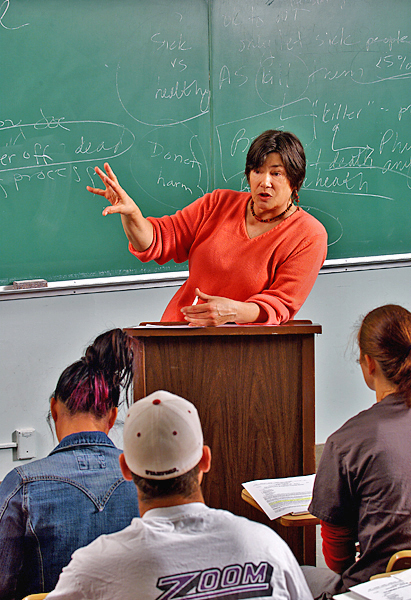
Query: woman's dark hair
[288,147]
[185,485]
[93,384]
[385,335]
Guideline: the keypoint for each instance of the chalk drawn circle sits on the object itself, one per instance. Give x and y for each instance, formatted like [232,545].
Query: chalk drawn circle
[281,79]
[170,167]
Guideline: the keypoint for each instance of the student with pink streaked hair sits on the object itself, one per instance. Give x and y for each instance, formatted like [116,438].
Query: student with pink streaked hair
[52,506]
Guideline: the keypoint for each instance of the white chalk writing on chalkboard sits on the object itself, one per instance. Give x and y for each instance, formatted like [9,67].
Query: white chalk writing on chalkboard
[58,144]
[4,8]
[175,103]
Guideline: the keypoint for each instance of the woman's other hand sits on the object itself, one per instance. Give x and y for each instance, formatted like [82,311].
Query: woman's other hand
[217,310]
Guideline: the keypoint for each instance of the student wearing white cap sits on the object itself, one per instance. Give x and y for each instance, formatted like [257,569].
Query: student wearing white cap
[180,548]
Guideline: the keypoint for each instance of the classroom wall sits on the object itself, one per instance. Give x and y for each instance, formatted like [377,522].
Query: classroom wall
[41,336]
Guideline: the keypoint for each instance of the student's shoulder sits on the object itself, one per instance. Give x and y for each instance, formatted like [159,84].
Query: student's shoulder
[108,545]
[11,484]
[353,432]
[256,541]
[242,525]
[24,473]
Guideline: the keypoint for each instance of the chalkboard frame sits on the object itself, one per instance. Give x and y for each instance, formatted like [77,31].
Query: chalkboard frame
[173,279]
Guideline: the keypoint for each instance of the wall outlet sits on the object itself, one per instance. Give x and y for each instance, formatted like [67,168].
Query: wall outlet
[26,443]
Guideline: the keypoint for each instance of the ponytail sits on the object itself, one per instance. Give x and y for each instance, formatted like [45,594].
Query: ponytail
[385,335]
[93,383]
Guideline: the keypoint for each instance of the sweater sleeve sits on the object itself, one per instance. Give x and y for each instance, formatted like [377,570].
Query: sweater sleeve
[293,280]
[174,234]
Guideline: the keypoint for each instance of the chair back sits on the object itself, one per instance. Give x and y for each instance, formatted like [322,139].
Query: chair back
[399,561]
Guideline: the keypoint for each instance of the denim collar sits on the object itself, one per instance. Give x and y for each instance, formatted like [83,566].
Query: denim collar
[84,438]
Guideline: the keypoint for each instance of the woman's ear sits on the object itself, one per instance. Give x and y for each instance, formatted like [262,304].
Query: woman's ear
[127,474]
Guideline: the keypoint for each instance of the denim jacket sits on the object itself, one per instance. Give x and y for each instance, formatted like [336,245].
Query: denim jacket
[51,507]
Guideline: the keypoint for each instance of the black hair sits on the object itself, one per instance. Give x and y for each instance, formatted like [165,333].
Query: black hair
[287,145]
[93,383]
[185,485]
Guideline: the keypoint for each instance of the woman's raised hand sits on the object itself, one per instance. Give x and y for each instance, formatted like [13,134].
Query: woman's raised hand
[119,200]
[138,230]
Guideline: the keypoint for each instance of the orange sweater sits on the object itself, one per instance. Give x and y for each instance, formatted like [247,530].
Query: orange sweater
[276,269]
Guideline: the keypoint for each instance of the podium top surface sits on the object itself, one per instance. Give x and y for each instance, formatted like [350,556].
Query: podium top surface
[296,327]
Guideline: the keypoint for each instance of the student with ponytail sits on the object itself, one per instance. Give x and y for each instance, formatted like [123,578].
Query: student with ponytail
[52,506]
[362,491]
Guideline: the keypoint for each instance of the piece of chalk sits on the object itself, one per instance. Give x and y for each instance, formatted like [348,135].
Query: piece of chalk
[28,284]
[195,301]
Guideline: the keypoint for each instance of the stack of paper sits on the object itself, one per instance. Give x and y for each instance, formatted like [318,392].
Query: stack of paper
[278,497]
[396,587]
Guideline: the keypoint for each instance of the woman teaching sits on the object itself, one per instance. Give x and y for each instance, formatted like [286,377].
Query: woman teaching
[362,490]
[253,256]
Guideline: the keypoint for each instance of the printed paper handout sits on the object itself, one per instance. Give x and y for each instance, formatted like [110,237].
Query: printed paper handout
[395,587]
[281,496]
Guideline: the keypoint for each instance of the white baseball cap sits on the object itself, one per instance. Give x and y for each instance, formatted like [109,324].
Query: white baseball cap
[162,436]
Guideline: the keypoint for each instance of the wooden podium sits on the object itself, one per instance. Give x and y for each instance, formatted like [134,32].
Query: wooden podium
[253,387]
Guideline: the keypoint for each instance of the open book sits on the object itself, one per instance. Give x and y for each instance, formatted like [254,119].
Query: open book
[278,497]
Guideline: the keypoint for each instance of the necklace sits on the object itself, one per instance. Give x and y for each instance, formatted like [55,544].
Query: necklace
[272,218]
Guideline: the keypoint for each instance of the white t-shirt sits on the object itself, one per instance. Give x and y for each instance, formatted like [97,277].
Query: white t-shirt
[187,552]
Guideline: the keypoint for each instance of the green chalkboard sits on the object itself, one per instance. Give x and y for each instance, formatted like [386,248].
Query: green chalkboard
[171,93]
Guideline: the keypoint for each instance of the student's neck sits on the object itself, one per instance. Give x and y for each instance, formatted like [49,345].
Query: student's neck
[377,380]
[78,424]
[168,501]
[384,388]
